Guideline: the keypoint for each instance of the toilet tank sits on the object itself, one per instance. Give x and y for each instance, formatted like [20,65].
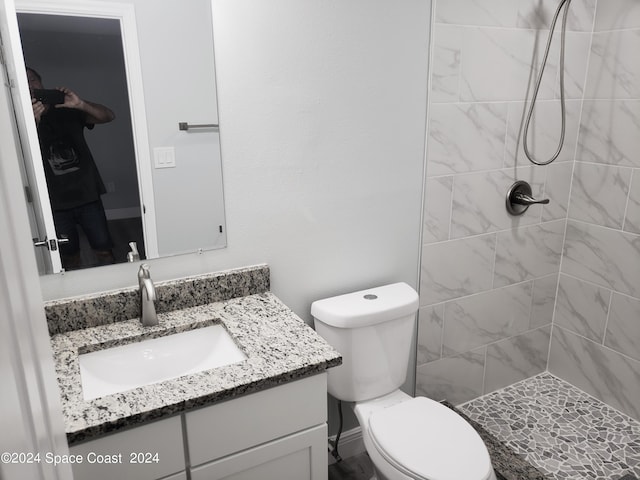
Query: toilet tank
[372,329]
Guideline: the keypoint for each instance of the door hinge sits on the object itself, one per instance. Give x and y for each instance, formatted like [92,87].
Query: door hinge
[28,194]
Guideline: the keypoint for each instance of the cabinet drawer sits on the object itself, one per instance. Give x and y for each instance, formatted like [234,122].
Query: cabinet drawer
[163,437]
[225,428]
[302,456]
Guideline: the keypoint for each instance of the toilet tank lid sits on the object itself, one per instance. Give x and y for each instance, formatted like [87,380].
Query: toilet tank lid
[367,307]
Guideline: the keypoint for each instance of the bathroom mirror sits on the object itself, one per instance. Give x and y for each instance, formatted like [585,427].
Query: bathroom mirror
[154,67]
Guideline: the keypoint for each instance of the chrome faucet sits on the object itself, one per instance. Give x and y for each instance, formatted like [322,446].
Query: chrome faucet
[147,297]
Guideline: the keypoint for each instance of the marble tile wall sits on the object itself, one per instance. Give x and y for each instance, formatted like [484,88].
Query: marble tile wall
[489,280]
[596,336]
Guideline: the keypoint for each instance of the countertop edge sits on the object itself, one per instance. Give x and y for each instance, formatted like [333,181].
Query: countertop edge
[125,423]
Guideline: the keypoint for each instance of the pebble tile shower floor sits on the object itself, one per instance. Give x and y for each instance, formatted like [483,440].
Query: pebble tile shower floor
[564,432]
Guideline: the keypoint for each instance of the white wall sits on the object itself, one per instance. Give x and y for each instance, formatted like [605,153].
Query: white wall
[322,108]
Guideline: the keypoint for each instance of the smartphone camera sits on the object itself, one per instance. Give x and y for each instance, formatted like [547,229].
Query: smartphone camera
[49,97]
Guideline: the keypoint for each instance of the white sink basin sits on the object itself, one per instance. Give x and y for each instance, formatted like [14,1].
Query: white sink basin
[134,365]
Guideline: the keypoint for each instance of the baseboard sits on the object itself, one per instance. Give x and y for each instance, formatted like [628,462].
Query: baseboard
[120,213]
[351,444]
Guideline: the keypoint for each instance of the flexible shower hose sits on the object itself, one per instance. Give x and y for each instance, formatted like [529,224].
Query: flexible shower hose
[563,3]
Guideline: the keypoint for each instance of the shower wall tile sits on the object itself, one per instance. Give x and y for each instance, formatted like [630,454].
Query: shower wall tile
[599,371]
[599,194]
[609,132]
[596,329]
[513,65]
[457,379]
[632,220]
[536,14]
[466,137]
[528,252]
[617,14]
[544,132]
[456,268]
[437,210]
[479,201]
[530,14]
[488,279]
[445,64]
[582,307]
[516,57]
[498,13]
[544,299]
[577,49]
[606,257]
[461,55]
[623,328]
[516,358]
[430,322]
[614,70]
[484,318]
[557,188]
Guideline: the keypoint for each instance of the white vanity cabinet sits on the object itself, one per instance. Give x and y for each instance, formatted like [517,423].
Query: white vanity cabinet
[148,452]
[279,433]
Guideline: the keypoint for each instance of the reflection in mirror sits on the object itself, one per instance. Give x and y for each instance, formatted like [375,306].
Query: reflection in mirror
[163,185]
[93,185]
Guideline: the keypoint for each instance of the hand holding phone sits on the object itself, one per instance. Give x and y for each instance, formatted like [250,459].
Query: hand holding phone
[48,97]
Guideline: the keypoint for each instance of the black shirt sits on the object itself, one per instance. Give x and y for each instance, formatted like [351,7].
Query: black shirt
[72,176]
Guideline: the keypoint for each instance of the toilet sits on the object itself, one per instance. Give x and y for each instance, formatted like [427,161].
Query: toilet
[406,438]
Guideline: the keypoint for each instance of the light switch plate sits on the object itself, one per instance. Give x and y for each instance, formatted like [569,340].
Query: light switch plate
[164,157]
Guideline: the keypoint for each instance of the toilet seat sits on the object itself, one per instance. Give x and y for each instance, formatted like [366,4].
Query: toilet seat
[428,441]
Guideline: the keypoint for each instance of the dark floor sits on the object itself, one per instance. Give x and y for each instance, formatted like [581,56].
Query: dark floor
[122,231]
[357,467]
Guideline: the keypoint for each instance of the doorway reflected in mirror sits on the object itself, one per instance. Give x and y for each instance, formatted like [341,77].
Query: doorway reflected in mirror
[86,56]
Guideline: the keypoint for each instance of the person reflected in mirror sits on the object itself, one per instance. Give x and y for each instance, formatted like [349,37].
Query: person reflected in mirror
[74,182]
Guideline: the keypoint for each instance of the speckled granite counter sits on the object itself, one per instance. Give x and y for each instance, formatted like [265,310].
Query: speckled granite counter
[279,348]
[115,306]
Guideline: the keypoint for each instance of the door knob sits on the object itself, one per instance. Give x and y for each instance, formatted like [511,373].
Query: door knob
[51,244]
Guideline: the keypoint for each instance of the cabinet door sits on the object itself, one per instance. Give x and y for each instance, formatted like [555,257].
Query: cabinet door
[148,452]
[229,427]
[302,456]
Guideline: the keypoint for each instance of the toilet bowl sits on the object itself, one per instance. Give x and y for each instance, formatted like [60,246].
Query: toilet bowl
[407,438]
[420,439]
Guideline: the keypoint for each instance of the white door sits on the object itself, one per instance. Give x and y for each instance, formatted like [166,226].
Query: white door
[15,78]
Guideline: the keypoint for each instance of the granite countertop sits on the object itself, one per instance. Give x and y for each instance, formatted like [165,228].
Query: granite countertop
[279,347]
